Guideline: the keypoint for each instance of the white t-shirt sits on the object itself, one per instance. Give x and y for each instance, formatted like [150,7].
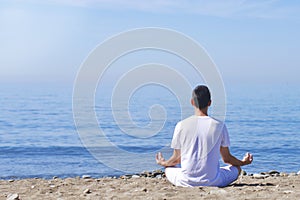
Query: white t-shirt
[199,138]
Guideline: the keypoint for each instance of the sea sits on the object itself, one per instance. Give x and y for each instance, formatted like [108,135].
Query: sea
[39,138]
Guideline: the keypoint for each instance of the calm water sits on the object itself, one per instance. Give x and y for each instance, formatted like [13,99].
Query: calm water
[38,137]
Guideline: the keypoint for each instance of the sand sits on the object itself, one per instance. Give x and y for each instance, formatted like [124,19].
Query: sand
[284,186]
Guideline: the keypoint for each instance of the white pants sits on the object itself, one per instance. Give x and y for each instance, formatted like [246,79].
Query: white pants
[227,175]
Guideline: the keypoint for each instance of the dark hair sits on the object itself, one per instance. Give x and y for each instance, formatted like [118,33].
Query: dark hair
[201,96]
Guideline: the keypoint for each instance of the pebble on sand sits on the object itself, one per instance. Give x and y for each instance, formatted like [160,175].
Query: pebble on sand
[260,176]
[86,176]
[87,191]
[274,172]
[13,197]
[135,176]
[218,191]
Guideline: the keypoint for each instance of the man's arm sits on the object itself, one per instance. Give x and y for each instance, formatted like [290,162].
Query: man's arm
[230,159]
[173,160]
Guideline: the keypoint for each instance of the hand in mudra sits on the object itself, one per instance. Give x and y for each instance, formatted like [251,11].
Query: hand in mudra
[159,158]
[248,158]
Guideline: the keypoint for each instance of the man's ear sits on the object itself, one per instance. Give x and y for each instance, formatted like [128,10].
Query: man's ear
[209,103]
[192,102]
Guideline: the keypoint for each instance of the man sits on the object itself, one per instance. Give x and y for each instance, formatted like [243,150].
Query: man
[198,142]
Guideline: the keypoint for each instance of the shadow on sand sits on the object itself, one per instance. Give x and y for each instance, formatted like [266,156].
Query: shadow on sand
[251,184]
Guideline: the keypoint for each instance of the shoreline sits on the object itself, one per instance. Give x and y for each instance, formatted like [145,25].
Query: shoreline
[267,185]
[152,174]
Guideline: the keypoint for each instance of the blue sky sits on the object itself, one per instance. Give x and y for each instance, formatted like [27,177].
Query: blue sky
[250,41]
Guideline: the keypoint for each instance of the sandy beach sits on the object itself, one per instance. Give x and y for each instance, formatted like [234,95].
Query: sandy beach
[257,186]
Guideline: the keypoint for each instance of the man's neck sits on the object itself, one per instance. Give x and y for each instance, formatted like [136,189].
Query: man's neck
[202,112]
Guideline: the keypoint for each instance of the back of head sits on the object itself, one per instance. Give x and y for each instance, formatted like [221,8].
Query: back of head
[201,96]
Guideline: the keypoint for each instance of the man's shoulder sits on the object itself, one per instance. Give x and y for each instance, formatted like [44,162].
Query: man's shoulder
[211,120]
[194,119]
[217,121]
[188,119]
[186,122]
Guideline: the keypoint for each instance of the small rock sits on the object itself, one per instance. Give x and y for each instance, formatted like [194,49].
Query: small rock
[264,173]
[143,175]
[86,176]
[158,176]
[52,186]
[218,191]
[144,190]
[127,176]
[87,191]
[55,177]
[11,180]
[13,197]
[135,176]
[283,174]
[273,172]
[260,176]
[243,173]
[288,191]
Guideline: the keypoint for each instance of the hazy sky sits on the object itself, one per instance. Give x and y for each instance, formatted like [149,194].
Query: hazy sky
[250,41]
